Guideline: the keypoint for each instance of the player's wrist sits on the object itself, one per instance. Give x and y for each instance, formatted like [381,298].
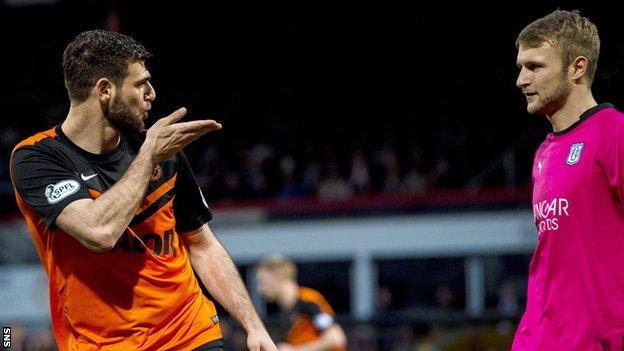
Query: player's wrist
[147,151]
[255,328]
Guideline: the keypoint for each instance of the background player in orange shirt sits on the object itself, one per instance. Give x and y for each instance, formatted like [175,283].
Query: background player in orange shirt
[313,325]
[117,216]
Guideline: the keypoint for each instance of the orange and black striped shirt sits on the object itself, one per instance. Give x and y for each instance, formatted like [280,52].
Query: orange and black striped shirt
[142,294]
[311,316]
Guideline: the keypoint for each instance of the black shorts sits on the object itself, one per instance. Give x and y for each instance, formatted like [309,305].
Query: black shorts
[215,345]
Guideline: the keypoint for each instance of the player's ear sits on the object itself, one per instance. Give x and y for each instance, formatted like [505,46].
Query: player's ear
[579,67]
[104,89]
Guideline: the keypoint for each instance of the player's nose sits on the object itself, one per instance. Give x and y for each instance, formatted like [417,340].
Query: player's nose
[522,80]
[151,93]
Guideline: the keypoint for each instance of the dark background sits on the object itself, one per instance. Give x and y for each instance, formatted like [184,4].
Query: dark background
[315,83]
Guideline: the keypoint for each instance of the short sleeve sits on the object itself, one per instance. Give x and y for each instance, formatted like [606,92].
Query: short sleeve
[612,158]
[190,208]
[45,183]
[320,319]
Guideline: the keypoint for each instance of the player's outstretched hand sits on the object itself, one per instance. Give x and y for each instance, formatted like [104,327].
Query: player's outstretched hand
[168,136]
[259,340]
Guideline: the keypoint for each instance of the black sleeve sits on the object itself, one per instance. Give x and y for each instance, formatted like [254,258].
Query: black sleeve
[45,183]
[321,320]
[189,205]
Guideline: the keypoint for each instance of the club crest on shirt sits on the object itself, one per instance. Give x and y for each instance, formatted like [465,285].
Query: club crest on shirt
[575,154]
[156,174]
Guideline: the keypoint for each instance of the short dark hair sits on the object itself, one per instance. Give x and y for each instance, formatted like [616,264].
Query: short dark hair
[98,54]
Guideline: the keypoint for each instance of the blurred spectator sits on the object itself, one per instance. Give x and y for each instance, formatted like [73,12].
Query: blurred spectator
[392,182]
[208,168]
[360,175]
[254,170]
[334,186]
[312,174]
[232,184]
[508,304]
[415,180]
[384,298]
[445,298]
[291,187]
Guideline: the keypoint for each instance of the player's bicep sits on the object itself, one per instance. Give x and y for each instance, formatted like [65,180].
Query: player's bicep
[198,239]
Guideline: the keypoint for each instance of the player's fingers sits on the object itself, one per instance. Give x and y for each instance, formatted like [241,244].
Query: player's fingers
[199,126]
[175,116]
[187,138]
[206,129]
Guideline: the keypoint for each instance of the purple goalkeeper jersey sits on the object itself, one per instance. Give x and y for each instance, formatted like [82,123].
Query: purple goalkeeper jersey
[575,298]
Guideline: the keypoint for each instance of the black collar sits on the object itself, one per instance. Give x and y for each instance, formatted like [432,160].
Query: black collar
[585,115]
[111,156]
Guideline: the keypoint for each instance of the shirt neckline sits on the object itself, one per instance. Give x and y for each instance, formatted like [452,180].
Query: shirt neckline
[584,116]
[110,156]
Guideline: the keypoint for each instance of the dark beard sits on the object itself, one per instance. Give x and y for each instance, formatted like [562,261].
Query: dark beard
[120,116]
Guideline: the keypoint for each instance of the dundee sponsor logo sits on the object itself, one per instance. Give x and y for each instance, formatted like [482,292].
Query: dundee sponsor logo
[57,192]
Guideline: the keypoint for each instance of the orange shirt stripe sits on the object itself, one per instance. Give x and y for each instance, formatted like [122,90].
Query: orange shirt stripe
[50,133]
[156,194]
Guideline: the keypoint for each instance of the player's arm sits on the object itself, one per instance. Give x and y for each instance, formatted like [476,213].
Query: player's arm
[99,223]
[215,268]
[330,339]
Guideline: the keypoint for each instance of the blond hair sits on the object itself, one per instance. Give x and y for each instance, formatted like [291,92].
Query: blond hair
[569,33]
[279,264]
